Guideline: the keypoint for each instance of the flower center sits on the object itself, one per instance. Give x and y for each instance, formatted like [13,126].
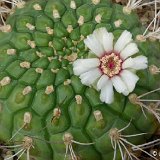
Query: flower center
[111,64]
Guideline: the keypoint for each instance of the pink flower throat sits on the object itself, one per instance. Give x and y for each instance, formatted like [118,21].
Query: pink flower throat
[111,64]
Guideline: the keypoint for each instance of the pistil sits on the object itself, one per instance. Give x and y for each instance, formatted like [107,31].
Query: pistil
[111,64]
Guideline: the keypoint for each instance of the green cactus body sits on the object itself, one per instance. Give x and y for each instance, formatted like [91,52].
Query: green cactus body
[46,37]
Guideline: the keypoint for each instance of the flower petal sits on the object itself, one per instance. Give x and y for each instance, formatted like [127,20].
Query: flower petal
[140,62]
[128,63]
[99,33]
[124,39]
[126,92]
[107,94]
[83,65]
[102,81]
[137,63]
[129,50]
[118,84]
[89,77]
[105,38]
[108,41]
[130,79]
[94,45]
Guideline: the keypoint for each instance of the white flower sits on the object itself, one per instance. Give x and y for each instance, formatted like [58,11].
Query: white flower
[113,66]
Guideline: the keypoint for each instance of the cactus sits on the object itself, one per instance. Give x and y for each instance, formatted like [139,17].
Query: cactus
[46,111]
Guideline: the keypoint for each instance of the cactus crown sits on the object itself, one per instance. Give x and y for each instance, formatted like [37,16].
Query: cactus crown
[49,107]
